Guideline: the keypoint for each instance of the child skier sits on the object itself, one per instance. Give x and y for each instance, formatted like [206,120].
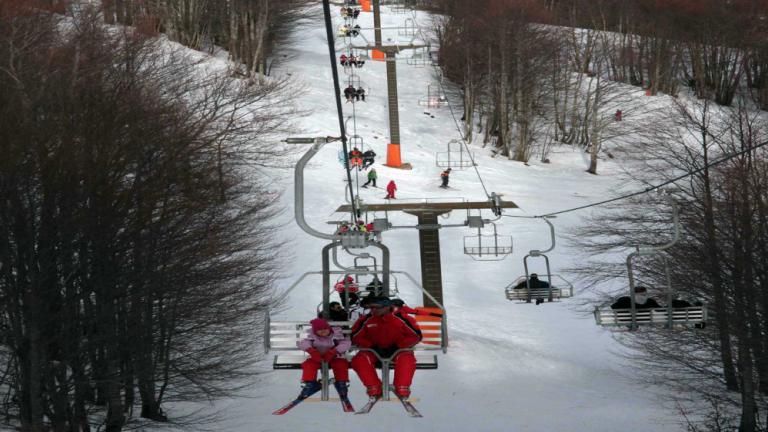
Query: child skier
[324,344]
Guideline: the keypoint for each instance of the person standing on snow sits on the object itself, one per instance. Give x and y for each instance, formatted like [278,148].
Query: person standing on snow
[324,344]
[385,332]
[391,188]
[371,177]
[444,176]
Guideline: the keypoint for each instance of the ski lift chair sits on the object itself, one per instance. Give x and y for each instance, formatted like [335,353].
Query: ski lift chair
[434,99]
[486,247]
[558,288]
[354,80]
[399,9]
[355,141]
[418,59]
[455,157]
[667,316]
[284,336]
[408,28]
[549,292]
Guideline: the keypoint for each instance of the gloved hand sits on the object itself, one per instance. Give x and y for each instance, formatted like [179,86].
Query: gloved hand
[330,355]
[314,354]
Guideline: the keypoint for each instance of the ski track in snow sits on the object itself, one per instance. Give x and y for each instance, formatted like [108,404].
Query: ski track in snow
[510,366]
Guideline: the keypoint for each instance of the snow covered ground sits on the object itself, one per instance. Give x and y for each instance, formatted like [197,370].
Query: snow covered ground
[510,366]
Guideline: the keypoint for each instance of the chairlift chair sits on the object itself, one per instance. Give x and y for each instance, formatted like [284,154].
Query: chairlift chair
[487,247]
[667,316]
[434,99]
[560,289]
[408,28]
[531,291]
[419,59]
[399,9]
[355,141]
[455,157]
[282,337]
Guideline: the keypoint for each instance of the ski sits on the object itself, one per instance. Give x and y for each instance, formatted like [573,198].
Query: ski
[371,402]
[293,403]
[412,411]
[346,404]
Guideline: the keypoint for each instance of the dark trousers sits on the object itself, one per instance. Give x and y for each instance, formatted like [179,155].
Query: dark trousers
[373,180]
[445,181]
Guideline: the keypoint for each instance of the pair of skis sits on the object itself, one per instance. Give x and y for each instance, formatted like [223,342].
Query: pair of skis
[346,405]
[409,408]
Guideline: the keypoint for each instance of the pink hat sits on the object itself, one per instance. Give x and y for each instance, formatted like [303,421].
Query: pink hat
[319,324]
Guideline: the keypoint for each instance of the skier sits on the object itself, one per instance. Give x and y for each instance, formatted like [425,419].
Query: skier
[348,289]
[360,93]
[344,60]
[324,344]
[356,158]
[359,62]
[371,178]
[385,332]
[642,301]
[349,92]
[391,188]
[355,13]
[336,312]
[617,116]
[355,30]
[534,283]
[344,30]
[374,286]
[444,176]
[368,158]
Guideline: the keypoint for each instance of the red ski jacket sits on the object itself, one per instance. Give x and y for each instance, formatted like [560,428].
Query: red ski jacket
[390,330]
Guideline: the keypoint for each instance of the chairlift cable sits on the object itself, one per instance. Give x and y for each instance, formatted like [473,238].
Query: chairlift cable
[337,88]
[458,127]
[653,187]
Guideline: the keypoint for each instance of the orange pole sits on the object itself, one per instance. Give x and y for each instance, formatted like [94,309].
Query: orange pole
[393,156]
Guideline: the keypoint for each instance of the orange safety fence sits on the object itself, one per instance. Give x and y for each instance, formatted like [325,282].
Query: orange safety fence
[428,330]
[378,55]
[366,5]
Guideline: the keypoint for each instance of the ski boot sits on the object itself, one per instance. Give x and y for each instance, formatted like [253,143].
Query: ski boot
[403,391]
[308,388]
[374,391]
[341,387]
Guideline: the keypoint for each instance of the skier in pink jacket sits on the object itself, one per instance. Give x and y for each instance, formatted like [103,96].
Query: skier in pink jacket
[324,344]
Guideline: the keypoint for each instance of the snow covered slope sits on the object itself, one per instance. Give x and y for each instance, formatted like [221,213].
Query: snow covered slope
[510,367]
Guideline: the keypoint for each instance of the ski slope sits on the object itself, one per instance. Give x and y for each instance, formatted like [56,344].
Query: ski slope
[510,366]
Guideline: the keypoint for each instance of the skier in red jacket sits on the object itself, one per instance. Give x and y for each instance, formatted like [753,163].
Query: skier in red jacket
[385,332]
[391,188]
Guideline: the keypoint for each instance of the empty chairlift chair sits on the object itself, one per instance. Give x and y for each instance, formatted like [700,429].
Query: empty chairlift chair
[486,247]
[418,58]
[408,29]
[455,157]
[434,99]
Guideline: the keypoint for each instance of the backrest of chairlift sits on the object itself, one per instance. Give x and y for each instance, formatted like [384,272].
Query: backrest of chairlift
[489,246]
[454,157]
